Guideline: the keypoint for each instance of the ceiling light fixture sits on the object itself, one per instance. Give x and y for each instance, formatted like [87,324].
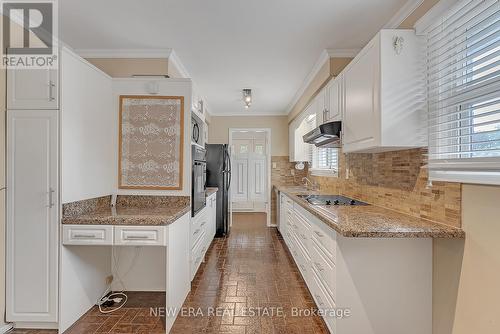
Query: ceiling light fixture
[247,97]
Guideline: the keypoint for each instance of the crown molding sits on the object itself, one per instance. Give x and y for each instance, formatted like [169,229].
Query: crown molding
[124,53]
[401,15]
[430,18]
[175,60]
[323,58]
[342,53]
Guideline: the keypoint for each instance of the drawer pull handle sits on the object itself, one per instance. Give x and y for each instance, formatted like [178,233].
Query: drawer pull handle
[320,268]
[86,236]
[135,237]
[319,234]
[196,232]
[203,224]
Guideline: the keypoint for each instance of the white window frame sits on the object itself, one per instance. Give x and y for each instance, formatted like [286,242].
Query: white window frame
[330,172]
[465,170]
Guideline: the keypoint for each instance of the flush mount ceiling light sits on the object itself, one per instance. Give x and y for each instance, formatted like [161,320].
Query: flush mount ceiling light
[247,97]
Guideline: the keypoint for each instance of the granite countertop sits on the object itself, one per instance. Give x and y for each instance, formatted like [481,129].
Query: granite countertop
[372,221]
[128,210]
[211,190]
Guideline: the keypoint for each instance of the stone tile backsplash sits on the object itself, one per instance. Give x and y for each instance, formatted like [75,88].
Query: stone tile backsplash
[396,180]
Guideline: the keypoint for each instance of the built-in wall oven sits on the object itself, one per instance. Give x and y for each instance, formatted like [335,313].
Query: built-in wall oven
[199,177]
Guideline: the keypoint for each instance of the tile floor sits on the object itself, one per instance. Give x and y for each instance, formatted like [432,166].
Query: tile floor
[250,273]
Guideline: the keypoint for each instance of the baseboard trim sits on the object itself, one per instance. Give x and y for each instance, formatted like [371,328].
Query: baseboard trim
[5,328]
[36,325]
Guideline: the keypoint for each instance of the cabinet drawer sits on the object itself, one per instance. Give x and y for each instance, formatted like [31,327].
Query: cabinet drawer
[326,238]
[325,269]
[140,235]
[322,299]
[198,224]
[87,235]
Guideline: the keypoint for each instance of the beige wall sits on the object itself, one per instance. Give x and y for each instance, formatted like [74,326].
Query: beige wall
[218,129]
[126,67]
[467,274]
[466,283]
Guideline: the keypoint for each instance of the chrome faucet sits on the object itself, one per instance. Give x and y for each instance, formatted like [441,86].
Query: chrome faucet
[307,182]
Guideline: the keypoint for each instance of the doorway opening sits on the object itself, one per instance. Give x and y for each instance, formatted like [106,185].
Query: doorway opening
[251,170]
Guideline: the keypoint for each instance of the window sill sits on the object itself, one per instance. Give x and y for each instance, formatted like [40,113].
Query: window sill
[324,172]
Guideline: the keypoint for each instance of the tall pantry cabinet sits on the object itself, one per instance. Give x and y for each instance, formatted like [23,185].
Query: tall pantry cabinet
[32,197]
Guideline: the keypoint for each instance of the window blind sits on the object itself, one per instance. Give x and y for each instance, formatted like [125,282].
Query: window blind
[463,73]
[325,159]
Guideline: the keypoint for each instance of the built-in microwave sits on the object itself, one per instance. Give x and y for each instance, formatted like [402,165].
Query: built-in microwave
[196,129]
[199,179]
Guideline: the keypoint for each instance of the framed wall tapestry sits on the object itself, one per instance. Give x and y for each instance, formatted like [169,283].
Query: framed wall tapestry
[151,135]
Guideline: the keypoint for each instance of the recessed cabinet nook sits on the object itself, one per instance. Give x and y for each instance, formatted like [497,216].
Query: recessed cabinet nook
[379,97]
[67,220]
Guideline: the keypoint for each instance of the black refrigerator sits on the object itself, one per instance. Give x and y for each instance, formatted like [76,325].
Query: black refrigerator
[219,175]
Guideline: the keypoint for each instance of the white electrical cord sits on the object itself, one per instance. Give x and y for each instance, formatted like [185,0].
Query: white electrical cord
[115,296]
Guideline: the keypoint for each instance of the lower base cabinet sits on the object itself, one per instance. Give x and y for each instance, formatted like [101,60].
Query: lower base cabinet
[361,285]
[203,228]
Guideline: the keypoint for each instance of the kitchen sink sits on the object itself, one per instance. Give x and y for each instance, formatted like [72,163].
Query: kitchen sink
[331,200]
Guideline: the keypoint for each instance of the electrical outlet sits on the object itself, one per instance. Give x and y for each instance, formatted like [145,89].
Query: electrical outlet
[109,279]
[292,172]
[274,165]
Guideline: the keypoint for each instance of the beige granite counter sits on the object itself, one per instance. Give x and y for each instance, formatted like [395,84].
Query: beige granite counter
[211,190]
[372,221]
[128,210]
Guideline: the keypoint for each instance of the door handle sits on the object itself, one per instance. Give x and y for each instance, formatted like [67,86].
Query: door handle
[51,90]
[51,200]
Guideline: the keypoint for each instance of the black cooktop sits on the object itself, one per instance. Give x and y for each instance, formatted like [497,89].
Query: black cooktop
[331,200]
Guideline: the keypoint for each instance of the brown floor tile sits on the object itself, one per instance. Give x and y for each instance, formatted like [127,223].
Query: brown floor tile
[249,270]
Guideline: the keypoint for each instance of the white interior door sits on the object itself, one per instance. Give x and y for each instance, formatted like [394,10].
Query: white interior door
[249,192]
[239,192]
[32,216]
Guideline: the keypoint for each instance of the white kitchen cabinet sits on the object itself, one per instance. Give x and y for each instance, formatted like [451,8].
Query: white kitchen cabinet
[178,282]
[368,276]
[319,106]
[384,95]
[203,228]
[32,215]
[140,236]
[87,234]
[300,151]
[32,89]
[334,99]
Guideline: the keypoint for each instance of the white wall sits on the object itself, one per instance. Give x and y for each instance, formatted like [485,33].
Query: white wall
[88,114]
[167,87]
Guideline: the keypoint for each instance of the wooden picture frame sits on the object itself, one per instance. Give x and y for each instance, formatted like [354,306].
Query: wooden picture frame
[153,160]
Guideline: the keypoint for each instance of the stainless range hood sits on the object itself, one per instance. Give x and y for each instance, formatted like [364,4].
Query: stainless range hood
[325,135]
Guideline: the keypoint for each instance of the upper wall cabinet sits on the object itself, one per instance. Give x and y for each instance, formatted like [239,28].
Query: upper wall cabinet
[384,95]
[32,89]
[334,99]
